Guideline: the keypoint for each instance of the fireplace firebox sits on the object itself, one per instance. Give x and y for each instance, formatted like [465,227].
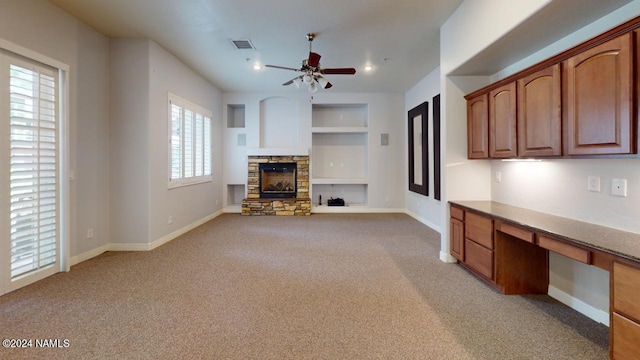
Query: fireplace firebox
[278,180]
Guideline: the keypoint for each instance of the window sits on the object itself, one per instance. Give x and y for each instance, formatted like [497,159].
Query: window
[190,143]
[30,130]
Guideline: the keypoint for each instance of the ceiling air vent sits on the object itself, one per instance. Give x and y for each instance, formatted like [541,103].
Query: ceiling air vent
[243,44]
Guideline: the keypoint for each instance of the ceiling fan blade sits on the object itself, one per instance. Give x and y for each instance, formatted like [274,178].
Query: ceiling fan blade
[314,59]
[339,71]
[293,81]
[324,83]
[282,67]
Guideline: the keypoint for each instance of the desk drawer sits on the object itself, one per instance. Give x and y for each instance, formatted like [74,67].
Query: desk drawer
[515,231]
[457,213]
[479,229]
[625,338]
[479,258]
[565,249]
[626,290]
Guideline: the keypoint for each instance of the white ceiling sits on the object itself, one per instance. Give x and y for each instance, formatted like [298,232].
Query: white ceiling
[350,33]
[399,38]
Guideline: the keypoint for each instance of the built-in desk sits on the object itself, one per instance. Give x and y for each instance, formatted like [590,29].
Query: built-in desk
[508,247]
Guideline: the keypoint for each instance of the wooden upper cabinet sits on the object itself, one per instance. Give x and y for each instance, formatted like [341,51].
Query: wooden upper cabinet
[540,113]
[502,122]
[599,99]
[478,127]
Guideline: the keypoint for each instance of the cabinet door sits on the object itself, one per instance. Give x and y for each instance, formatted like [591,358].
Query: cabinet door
[478,127]
[539,113]
[457,239]
[502,122]
[599,99]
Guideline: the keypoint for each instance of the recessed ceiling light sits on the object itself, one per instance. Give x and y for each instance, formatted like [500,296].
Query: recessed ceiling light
[257,67]
[368,68]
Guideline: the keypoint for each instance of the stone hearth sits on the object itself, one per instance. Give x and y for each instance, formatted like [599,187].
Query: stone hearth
[255,205]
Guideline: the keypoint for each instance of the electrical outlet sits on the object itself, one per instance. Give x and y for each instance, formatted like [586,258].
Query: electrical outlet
[593,183]
[170,220]
[90,234]
[619,187]
[498,176]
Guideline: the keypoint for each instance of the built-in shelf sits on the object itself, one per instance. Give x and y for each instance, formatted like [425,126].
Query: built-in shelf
[235,116]
[340,155]
[338,209]
[338,130]
[338,181]
[339,115]
[235,194]
[352,194]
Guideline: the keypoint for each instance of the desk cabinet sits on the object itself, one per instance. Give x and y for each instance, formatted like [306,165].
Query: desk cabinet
[508,248]
[457,233]
[625,307]
[478,244]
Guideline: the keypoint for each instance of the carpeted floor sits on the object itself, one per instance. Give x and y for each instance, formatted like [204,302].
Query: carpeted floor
[327,286]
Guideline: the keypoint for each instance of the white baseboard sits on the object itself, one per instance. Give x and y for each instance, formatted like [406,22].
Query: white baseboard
[154,244]
[423,220]
[579,306]
[74,260]
[447,258]
[232,210]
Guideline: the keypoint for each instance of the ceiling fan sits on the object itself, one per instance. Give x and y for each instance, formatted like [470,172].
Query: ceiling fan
[312,73]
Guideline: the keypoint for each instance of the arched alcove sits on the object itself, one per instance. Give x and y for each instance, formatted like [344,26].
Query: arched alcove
[278,123]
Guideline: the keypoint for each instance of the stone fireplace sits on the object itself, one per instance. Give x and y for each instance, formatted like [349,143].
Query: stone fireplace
[277,185]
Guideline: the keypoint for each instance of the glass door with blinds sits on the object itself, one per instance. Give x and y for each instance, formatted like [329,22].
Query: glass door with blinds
[30,227]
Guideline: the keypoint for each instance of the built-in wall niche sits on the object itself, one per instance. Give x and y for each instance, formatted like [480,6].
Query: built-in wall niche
[339,115]
[352,194]
[279,120]
[235,194]
[235,116]
[339,155]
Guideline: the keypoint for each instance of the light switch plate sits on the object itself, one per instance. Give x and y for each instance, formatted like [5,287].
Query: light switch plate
[619,187]
[384,139]
[242,139]
[593,183]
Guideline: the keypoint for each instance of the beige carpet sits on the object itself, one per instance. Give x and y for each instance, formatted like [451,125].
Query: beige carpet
[327,286]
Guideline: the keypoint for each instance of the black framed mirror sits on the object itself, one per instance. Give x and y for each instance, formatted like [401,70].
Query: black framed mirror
[435,110]
[418,149]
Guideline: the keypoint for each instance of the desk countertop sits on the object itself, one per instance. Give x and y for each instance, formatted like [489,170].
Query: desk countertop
[617,242]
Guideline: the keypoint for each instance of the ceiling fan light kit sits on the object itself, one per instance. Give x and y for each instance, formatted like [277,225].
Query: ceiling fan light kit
[312,72]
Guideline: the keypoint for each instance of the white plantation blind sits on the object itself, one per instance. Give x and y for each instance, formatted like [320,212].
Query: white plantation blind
[33,167]
[190,142]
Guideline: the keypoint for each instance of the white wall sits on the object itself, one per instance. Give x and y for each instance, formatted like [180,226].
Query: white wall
[386,164]
[553,186]
[129,144]
[42,27]
[186,204]
[424,208]
[143,74]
